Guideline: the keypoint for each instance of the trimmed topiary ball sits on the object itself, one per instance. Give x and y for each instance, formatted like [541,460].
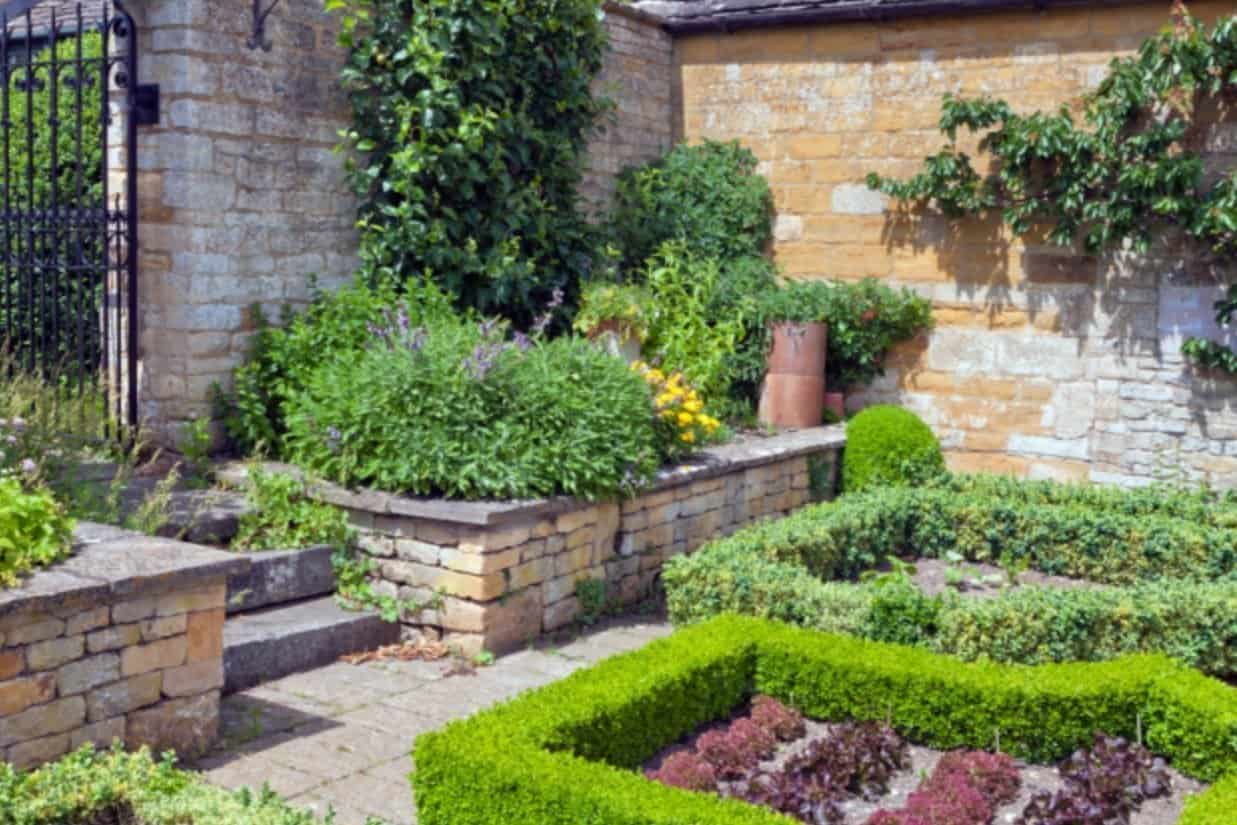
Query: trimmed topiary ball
[888,446]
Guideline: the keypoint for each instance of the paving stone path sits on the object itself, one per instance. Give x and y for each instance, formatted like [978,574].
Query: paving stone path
[340,736]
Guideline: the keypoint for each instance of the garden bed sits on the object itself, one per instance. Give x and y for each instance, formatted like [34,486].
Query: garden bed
[570,752]
[494,575]
[819,759]
[1099,572]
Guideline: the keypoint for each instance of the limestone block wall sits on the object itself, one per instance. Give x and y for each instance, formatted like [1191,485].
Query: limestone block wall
[1043,362]
[496,575]
[108,647]
[637,77]
[241,198]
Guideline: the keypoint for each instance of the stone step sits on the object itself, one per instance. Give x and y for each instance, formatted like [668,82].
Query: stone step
[266,644]
[281,576]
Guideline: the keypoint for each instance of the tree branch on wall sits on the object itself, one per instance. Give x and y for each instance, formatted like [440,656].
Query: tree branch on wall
[1124,175]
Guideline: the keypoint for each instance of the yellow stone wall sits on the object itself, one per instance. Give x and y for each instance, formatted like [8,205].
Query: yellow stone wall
[1044,362]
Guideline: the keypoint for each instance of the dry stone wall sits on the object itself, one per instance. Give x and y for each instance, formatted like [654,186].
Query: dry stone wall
[241,197]
[123,642]
[1043,362]
[496,575]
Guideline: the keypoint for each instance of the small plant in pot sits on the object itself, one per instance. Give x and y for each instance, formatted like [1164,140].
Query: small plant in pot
[615,316]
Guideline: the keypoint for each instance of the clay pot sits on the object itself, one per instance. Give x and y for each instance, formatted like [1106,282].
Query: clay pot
[615,337]
[795,382]
[835,402]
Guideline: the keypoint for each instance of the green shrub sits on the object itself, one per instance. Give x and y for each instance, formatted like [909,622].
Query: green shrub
[34,531]
[282,517]
[686,333]
[1180,596]
[469,124]
[337,325]
[845,537]
[1198,504]
[453,408]
[865,319]
[708,195]
[888,445]
[567,753]
[1193,622]
[106,786]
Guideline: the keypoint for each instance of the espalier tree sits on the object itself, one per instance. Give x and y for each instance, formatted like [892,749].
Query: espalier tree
[1123,175]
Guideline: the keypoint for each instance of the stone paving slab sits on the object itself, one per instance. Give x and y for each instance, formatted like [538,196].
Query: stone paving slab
[340,737]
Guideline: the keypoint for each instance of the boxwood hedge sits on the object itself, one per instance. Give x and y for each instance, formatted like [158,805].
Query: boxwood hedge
[567,753]
[1172,553]
[1091,541]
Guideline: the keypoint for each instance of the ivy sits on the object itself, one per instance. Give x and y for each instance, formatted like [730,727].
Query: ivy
[1120,176]
[469,122]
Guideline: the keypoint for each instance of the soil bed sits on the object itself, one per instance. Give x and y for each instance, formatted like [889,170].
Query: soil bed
[1164,810]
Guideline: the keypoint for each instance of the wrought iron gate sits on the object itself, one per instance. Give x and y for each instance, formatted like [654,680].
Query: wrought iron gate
[69,110]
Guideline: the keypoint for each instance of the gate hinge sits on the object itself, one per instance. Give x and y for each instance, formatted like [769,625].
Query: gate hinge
[146,104]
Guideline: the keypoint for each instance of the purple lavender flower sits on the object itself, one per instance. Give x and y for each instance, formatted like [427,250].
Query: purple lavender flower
[333,439]
[543,320]
[522,342]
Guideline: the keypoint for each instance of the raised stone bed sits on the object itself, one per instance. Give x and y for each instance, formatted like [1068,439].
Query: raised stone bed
[497,574]
[123,641]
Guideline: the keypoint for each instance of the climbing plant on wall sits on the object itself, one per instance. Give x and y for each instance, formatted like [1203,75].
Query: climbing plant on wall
[1122,175]
[469,122]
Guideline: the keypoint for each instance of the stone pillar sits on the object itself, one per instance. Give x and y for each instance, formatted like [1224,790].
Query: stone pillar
[242,200]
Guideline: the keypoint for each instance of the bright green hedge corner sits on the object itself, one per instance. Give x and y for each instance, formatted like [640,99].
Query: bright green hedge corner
[568,754]
[889,446]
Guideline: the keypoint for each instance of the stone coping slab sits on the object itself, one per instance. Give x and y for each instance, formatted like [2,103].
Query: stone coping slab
[744,452]
[110,562]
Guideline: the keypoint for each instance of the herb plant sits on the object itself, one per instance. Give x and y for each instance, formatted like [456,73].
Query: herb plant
[34,531]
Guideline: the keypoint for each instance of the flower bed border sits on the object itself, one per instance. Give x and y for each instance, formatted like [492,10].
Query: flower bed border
[567,753]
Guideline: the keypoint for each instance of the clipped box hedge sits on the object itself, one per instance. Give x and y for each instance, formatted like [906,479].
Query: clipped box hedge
[569,753]
[1169,558]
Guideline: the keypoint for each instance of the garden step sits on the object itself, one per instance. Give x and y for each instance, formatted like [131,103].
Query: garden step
[281,576]
[266,644]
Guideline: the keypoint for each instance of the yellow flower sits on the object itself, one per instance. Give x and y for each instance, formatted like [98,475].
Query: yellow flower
[668,415]
[664,400]
[687,437]
[685,419]
[657,375]
[693,405]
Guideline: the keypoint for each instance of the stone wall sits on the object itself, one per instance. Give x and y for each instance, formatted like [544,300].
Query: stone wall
[241,197]
[124,641]
[637,77]
[1043,362]
[496,575]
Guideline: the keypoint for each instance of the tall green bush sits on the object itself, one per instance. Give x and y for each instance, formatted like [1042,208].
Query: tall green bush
[707,194]
[469,122]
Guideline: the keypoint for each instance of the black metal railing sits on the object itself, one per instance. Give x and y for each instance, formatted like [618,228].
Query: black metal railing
[68,269]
